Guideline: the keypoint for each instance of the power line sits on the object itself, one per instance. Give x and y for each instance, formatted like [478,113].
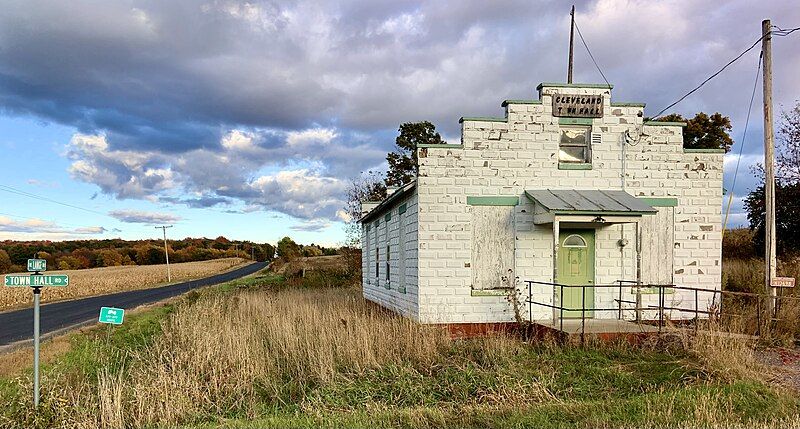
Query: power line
[779,32]
[590,53]
[13,190]
[741,146]
[58,223]
[710,77]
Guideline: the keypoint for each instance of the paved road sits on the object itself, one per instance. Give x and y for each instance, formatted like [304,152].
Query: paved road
[18,325]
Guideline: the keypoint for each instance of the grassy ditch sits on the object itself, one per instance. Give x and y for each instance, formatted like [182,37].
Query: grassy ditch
[258,353]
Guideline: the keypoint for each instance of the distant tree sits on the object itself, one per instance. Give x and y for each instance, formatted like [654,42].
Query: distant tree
[221,243]
[787,189]
[703,131]
[288,249]
[109,258]
[312,250]
[367,187]
[403,165]
[5,262]
[69,263]
[788,146]
[787,217]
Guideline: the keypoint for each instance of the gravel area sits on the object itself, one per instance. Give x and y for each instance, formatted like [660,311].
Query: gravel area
[784,363]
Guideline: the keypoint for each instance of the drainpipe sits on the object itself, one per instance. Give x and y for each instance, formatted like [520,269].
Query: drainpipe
[638,272]
[555,271]
[622,225]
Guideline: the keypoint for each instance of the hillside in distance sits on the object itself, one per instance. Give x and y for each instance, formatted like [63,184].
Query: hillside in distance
[80,254]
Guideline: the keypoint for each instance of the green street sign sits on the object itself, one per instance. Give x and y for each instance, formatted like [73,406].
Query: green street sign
[37,265]
[57,280]
[111,315]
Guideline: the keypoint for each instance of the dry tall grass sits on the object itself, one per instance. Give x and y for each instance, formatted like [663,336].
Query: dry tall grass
[99,281]
[747,275]
[229,351]
[239,354]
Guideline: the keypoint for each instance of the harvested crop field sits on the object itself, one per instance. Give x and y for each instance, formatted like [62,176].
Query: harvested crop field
[100,281]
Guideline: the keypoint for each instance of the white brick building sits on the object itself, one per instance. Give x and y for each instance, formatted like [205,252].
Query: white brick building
[540,196]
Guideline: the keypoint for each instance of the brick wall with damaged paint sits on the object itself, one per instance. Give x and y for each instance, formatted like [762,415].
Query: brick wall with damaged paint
[399,234]
[504,157]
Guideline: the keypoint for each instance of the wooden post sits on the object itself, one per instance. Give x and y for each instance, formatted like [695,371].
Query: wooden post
[769,168]
[571,38]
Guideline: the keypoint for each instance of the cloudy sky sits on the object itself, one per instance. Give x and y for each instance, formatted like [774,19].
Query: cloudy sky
[248,119]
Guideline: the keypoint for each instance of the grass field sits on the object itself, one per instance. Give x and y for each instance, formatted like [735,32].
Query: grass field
[99,281]
[257,353]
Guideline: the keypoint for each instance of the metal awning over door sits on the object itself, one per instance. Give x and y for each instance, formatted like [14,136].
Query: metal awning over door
[587,206]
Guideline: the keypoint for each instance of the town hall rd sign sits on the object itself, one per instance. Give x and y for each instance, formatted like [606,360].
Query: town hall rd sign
[50,280]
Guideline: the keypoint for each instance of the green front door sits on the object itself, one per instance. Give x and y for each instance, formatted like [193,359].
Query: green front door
[576,267]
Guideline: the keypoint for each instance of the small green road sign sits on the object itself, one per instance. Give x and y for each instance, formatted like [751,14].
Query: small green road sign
[57,280]
[111,315]
[37,265]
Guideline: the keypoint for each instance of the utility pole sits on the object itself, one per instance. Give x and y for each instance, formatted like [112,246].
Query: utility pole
[166,253]
[571,38]
[769,166]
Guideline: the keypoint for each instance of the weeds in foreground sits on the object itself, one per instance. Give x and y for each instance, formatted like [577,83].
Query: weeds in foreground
[311,357]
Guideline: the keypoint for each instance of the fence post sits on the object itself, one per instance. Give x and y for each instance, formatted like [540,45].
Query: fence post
[619,316]
[530,303]
[583,314]
[696,310]
[758,315]
[561,309]
[660,307]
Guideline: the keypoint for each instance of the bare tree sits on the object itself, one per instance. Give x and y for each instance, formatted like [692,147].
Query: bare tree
[369,186]
[788,159]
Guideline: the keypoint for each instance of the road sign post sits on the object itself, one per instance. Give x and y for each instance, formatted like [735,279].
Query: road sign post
[36,281]
[111,315]
[37,293]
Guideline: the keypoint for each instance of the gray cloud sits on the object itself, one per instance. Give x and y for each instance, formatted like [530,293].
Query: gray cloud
[136,216]
[311,226]
[164,83]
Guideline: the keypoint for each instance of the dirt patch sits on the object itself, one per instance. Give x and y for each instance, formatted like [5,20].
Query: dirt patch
[784,364]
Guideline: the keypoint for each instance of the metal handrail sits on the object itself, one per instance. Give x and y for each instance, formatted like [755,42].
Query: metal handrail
[661,307]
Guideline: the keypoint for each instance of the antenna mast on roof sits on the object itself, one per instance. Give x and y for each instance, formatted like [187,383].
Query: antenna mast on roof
[571,38]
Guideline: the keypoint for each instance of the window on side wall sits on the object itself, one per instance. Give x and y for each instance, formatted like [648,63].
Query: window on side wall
[388,258]
[574,146]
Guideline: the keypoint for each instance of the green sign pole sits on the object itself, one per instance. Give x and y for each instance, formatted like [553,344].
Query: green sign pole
[36,281]
[37,292]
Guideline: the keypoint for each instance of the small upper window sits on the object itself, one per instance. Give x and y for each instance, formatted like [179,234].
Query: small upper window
[574,240]
[574,145]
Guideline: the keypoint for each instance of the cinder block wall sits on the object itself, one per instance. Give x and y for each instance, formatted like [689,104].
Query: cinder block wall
[399,293]
[505,156]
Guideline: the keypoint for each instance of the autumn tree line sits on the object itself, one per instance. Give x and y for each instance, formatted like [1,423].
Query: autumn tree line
[73,255]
